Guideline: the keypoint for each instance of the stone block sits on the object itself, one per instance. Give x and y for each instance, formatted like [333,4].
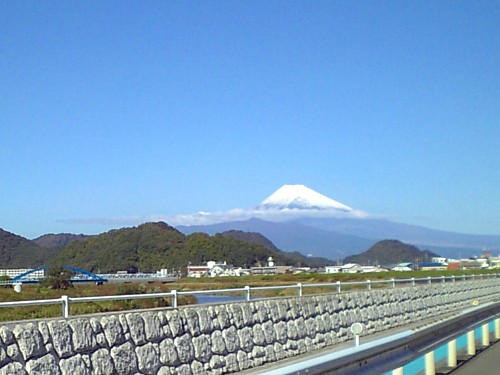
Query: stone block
[204,320]
[61,334]
[243,361]
[236,315]
[102,362]
[231,339]
[192,321]
[246,339]
[148,358]
[6,335]
[43,328]
[185,348]
[258,335]
[222,316]
[74,366]
[168,353]
[13,368]
[29,340]
[136,328]
[202,348]
[218,343]
[4,358]
[175,323]
[83,336]
[124,358]
[14,353]
[269,332]
[113,330]
[43,365]
[198,369]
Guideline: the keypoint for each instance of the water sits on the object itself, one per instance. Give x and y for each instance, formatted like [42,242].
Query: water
[215,298]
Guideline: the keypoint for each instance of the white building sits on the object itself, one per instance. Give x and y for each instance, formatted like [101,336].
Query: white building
[352,268]
[213,269]
[13,272]
[333,269]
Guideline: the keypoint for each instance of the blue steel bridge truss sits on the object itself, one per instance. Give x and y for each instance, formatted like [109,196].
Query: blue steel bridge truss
[79,276]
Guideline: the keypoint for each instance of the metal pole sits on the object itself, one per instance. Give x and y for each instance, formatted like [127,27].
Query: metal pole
[413,281]
[452,353]
[65,306]
[393,283]
[338,286]
[471,343]
[299,287]
[174,298]
[247,289]
[485,339]
[430,366]
[369,283]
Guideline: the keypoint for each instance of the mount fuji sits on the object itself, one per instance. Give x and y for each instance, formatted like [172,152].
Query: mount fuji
[300,197]
[297,218]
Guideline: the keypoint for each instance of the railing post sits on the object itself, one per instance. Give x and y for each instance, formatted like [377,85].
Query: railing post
[413,281]
[174,298]
[497,328]
[247,292]
[453,279]
[429,280]
[485,333]
[430,365]
[443,279]
[299,289]
[338,287]
[471,343]
[452,353]
[65,306]
[369,284]
[393,281]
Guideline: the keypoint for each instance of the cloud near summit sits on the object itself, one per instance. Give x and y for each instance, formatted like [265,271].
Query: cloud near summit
[206,218]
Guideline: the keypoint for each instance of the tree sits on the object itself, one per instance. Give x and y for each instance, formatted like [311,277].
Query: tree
[58,278]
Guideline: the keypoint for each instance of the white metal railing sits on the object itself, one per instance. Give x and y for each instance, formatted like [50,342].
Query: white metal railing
[339,286]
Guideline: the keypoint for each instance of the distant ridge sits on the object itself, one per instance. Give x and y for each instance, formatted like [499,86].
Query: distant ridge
[58,241]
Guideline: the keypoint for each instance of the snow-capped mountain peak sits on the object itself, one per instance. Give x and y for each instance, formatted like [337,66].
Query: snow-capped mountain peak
[300,197]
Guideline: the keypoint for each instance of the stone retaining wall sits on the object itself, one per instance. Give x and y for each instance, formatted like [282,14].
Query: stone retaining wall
[221,339]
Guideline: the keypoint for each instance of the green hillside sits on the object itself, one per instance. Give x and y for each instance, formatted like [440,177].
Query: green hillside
[390,252]
[153,246]
[19,252]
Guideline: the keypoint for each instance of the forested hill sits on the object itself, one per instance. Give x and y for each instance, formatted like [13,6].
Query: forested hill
[390,252]
[58,241]
[19,252]
[153,246]
[293,258]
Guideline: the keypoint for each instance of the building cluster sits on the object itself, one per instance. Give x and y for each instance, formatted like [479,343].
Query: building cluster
[13,272]
[218,269]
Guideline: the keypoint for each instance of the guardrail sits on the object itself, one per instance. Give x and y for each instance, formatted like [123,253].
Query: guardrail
[339,286]
[389,354]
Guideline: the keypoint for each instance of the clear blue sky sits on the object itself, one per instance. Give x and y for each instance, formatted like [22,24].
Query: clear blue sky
[115,112]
